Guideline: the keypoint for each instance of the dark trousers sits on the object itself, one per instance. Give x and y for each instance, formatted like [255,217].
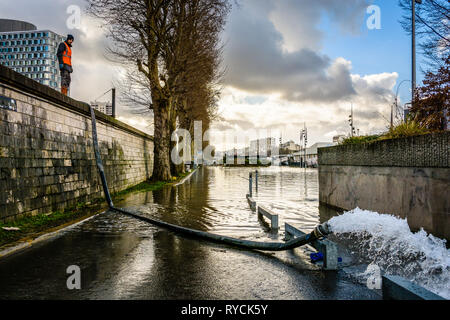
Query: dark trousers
[65,78]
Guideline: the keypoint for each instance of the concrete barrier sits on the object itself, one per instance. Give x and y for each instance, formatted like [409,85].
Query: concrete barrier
[272,216]
[250,184]
[327,247]
[398,288]
[46,154]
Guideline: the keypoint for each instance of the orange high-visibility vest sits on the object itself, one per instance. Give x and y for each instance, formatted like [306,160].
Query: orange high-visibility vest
[67,55]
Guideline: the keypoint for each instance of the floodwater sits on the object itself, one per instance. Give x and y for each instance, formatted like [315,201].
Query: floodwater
[122,258]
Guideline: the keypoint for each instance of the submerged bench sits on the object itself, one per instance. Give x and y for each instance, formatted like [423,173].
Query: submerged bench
[327,247]
[269,214]
[398,288]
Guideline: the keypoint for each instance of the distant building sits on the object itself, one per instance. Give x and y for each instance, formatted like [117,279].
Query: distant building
[447,120]
[30,52]
[339,138]
[289,147]
[105,107]
[311,154]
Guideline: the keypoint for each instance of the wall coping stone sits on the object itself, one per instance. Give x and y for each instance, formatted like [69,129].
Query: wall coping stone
[429,150]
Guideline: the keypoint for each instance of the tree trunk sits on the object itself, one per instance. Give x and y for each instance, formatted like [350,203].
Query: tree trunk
[161,164]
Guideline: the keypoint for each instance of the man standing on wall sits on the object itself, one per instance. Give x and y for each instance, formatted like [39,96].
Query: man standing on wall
[65,63]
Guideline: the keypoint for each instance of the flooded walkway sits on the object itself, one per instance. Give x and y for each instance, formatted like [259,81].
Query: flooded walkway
[121,258]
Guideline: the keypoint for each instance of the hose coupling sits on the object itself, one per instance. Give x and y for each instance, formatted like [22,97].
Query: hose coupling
[322,230]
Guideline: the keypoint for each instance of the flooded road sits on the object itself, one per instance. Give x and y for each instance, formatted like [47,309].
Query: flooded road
[122,258]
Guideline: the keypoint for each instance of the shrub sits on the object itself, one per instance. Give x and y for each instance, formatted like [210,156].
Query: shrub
[432,101]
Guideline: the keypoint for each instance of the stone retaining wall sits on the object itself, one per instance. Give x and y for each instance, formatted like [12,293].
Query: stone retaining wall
[407,177]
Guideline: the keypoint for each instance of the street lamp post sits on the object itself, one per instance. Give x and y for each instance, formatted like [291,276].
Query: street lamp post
[113,104]
[413,80]
[300,144]
[396,102]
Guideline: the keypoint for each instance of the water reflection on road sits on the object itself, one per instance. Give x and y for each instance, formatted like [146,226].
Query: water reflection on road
[121,258]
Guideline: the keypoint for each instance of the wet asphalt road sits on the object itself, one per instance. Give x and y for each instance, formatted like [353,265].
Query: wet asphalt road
[121,258]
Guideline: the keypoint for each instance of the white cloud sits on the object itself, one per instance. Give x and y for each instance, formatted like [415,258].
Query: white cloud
[137,122]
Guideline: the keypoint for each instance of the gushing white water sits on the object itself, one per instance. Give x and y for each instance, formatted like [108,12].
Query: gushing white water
[386,241]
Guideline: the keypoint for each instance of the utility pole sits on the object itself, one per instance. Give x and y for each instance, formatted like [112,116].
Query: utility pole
[113,90]
[396,100]
[413,80]
[352,128]
[300,144]
[392,115]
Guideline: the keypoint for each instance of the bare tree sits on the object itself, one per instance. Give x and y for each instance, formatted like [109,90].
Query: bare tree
[151,36]
[432,101]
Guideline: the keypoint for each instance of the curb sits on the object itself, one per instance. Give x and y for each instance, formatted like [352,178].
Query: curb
[186,178]
[25,243]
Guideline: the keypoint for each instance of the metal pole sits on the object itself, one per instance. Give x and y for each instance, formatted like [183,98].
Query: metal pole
[99,160]
[352,127]
[113,102]
[392,115]
[300,144]
[256,180]
[305,156]
[413,50]
[396,95]
[250,187]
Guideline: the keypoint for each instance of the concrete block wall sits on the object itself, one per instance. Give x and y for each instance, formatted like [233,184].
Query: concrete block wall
[409,178]
[425,151]
[47,160]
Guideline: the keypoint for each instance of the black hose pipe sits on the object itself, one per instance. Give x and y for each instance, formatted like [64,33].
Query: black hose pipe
[319,232]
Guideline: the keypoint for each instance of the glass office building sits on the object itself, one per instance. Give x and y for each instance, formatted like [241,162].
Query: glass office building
[30,52]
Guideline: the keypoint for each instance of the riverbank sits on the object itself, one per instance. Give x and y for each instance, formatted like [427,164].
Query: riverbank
[408,177]
[247,165]
[27,229]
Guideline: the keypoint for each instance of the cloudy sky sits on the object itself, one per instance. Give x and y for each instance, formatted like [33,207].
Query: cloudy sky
[288,62]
